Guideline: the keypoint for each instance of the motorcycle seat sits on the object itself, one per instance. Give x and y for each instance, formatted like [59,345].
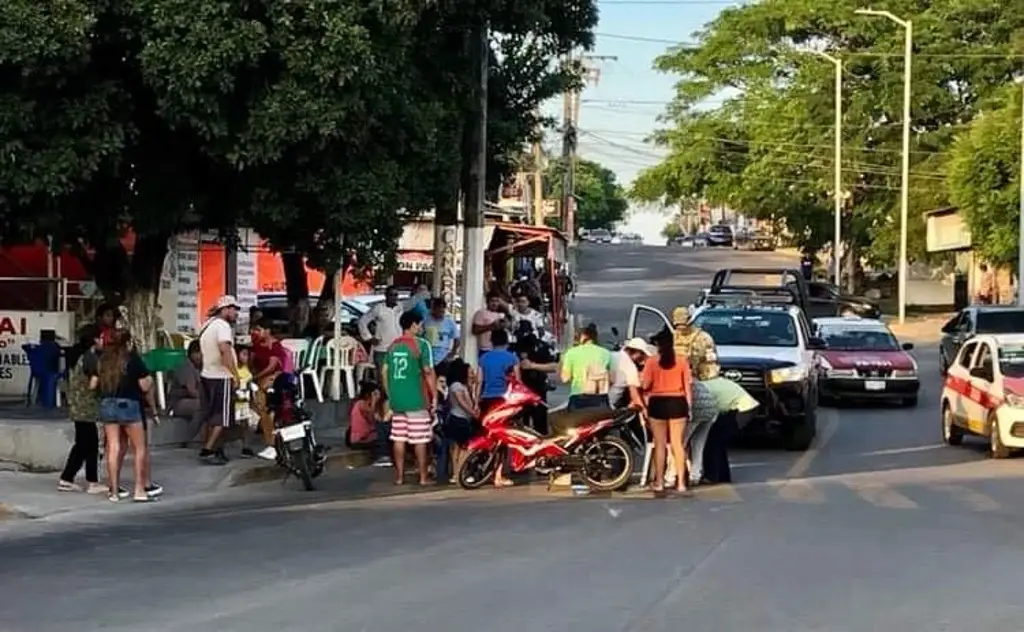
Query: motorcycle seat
[562,421]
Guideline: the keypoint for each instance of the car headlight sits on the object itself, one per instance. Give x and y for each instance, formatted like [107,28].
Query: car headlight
[904,373]
[841,373]
[1014,400]
[788,374]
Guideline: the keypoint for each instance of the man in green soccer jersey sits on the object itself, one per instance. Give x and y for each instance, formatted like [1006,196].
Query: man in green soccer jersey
[411,387]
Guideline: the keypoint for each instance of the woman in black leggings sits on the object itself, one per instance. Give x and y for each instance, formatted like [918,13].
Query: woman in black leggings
[83,401]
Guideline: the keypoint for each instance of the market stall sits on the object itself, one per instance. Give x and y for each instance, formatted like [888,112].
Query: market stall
[511,241]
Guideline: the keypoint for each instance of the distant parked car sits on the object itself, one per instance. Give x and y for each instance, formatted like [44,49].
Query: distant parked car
[600,236]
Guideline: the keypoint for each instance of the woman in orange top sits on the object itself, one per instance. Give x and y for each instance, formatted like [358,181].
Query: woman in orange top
[666,380]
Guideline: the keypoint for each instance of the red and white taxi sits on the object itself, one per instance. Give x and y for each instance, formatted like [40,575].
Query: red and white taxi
[863,361]
[984,393]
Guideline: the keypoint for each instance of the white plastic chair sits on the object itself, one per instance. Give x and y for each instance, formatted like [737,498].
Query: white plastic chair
[341,355]
[309,369]
[296,347]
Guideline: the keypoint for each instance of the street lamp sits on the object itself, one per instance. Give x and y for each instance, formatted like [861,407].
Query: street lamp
[838,185]
[908,44]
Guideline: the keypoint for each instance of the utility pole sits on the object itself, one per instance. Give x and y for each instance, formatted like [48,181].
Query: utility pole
[473,209]
[570,120]
[538,185]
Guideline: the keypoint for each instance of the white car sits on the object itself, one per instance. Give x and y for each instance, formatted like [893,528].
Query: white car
[984,393]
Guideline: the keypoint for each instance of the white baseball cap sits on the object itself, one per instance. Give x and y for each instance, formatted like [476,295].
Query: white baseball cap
[639,344]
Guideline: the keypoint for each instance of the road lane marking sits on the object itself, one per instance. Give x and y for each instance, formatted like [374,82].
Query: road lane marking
[881,495]
[971,498]
[894,451]
[803,463]
[802,492]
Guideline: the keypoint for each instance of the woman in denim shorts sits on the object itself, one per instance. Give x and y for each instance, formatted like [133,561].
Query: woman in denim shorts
[123,382]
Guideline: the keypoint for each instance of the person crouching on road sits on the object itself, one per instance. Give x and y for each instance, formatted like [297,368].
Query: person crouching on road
[411,387]
[625,388]
[123,380]
[667,382]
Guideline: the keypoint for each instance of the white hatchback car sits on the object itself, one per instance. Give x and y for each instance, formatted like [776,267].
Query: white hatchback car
[984,393]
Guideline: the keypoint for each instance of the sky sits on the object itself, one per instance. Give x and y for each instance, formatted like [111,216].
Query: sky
[618,112]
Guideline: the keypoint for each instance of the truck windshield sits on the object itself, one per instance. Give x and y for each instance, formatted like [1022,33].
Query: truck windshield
[743,328]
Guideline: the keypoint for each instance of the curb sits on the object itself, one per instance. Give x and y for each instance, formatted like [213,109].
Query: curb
[265,472]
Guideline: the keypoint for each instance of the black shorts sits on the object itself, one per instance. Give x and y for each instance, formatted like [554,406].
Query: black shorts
[217,401]
[668,407]
[458,429]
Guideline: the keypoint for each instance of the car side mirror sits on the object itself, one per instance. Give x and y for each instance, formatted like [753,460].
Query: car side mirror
[982,372]
[817,344]
[907,346]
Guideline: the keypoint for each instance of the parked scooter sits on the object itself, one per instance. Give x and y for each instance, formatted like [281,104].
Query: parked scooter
[297,450]
[583,442]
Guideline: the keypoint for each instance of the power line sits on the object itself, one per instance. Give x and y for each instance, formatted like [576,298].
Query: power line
[696,44]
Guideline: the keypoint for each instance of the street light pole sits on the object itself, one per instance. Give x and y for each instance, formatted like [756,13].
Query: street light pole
[838,171]
[908,47]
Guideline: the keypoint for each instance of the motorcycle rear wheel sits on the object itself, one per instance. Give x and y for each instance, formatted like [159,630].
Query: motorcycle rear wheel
[596,464]
[478,468]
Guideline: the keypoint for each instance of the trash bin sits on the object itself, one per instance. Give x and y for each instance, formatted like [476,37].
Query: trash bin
[960,297]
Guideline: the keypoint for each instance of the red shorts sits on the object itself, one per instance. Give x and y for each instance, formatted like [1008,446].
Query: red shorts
[414,427]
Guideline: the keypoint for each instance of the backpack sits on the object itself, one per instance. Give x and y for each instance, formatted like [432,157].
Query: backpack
[83,402]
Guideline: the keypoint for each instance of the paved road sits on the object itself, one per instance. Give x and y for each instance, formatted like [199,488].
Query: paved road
[877,527]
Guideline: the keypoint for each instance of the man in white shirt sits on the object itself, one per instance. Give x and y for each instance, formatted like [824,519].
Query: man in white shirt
[218,376]
[523,312]
[625,388]
[384,317]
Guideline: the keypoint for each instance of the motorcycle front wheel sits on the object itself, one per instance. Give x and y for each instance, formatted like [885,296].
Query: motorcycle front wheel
[478,469]
[607,464]
[303,461]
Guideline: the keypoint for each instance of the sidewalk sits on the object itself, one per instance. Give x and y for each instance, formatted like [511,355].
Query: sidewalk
[918,329]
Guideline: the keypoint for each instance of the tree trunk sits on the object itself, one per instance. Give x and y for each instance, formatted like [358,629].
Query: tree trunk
[297,289]
[326,298]
[131,281]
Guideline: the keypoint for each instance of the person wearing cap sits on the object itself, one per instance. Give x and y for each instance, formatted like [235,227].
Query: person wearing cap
[625,388]
[218,376]
[695,344]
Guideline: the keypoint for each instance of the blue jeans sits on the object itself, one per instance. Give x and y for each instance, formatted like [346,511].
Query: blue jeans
[383,448]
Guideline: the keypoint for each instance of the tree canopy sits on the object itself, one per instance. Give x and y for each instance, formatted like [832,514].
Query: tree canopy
[322,125]
[600,199]
[751,125]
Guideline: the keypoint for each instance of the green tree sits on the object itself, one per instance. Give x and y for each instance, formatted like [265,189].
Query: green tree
[765,147]
[600,200]
[984,180]
[672,229]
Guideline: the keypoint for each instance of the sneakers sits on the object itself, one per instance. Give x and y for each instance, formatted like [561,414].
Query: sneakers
[383,462]
[269,453]
[153,490]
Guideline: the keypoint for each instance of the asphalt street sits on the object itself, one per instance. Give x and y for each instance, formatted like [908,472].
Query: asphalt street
[877,527]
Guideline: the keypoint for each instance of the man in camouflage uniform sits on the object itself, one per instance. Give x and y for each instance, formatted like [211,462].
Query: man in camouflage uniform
[695,344]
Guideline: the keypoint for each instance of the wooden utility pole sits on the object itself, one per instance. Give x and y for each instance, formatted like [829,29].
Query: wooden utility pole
[474,192]
[538,185]
[570,120]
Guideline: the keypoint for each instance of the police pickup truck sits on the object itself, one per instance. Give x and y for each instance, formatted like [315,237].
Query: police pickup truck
[766,347]
[816,299]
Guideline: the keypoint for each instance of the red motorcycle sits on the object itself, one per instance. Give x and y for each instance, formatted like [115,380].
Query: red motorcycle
[582,442]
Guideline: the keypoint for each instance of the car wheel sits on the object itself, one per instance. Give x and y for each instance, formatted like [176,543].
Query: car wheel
[996,449]
[951,433]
